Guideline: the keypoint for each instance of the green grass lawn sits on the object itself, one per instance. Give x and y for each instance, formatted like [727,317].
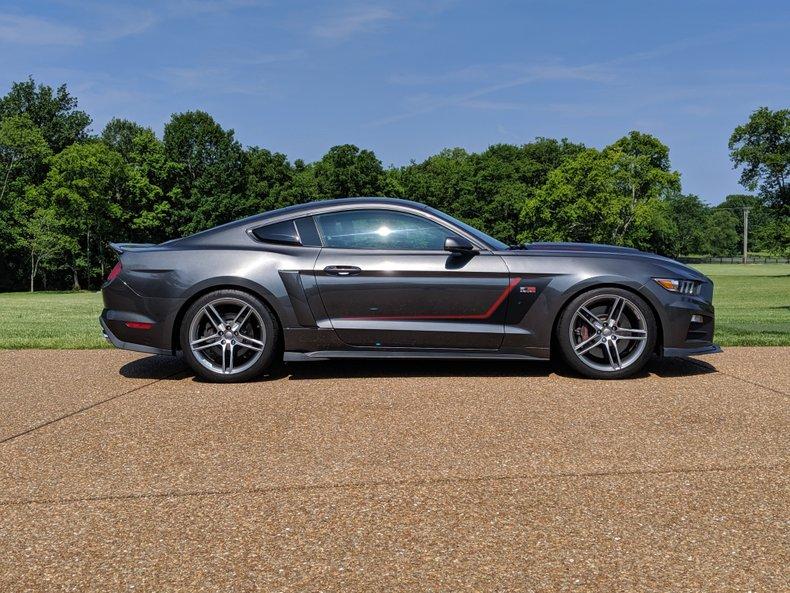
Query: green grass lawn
[752,309]
[51,320]
[752,303]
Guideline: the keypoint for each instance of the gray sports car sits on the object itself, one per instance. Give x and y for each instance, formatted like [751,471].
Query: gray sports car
[382,278]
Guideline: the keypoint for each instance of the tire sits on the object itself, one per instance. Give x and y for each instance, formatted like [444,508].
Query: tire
[598,342]
[229,336]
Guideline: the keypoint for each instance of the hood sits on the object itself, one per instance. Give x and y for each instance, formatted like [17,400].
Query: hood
[583,247]
[673,268]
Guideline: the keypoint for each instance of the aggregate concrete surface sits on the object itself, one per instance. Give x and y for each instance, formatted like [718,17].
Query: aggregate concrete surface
[122,472]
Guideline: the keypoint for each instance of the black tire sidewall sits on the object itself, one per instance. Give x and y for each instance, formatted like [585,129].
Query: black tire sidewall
[270,348]
[563,338]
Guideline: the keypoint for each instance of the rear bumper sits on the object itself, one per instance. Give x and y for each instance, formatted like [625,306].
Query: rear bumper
[115,341]
[694,351]
[125,312]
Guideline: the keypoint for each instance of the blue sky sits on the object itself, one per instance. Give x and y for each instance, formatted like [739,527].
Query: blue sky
[408,78]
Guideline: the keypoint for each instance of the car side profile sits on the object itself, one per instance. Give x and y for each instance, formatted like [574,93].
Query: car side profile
[388,278]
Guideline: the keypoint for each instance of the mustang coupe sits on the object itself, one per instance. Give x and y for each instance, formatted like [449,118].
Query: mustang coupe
[387,278]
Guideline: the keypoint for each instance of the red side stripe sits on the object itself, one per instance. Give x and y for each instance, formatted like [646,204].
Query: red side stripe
[489,312]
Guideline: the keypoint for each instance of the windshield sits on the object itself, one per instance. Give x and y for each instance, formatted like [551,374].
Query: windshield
[495,244]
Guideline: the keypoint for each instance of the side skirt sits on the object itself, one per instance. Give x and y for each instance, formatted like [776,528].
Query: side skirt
[400,354]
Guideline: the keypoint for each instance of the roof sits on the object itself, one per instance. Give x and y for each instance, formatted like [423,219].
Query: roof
[299,209]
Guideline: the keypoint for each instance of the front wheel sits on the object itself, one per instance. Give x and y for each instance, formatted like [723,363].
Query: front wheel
[607,333]
[229,336]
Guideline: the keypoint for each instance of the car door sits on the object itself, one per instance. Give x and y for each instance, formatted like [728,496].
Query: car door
[386,282]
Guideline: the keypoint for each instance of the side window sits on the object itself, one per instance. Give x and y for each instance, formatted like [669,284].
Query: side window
[279,232]
[381,229]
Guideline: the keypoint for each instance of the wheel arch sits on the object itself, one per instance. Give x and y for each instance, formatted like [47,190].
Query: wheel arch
[230,283]
[622,283]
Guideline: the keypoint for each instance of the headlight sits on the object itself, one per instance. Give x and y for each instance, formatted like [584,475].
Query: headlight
[682,286]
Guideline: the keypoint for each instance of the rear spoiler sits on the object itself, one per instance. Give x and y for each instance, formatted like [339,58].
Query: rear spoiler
[119,248]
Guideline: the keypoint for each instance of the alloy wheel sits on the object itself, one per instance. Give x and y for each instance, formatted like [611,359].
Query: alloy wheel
[227,336]
[608,332]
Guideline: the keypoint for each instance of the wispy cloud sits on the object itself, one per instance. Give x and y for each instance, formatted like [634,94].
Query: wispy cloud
[494,105]
[105,21]
[481,73]
[361,19]
[220,80]
[204,6]
[30,30]
[263,59]
[117,22]
[601,71]
[590,72]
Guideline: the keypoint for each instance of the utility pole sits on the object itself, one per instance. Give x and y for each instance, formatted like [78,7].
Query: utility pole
[745,234]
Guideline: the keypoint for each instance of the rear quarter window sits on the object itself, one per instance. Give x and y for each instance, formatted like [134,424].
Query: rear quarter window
[282,233]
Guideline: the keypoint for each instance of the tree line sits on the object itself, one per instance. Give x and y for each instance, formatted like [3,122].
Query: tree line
[66,192]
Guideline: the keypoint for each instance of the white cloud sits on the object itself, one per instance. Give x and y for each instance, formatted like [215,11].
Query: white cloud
[31,30]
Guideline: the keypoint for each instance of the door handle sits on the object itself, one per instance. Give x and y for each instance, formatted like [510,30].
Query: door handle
[342,270]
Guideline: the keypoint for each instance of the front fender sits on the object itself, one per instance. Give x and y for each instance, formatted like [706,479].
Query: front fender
[536,328]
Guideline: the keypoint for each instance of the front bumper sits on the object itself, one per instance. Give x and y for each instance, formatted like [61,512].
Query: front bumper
[693,351]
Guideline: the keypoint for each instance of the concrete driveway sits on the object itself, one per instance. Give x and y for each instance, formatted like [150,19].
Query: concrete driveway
[122,472]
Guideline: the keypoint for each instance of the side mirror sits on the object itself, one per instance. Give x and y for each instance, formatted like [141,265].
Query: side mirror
[459,245]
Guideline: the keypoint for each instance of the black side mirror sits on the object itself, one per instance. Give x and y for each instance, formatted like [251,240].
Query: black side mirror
[459,245]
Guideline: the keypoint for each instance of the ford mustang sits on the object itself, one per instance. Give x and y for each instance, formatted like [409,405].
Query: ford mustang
[386,278]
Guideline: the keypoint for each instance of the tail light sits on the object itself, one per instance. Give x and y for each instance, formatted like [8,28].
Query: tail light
[117,269]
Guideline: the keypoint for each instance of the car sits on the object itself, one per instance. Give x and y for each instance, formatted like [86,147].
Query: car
[368,278]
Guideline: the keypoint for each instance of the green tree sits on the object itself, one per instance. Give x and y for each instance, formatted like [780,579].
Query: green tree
[611,196]
[722,233]
[39,232]
[269,175]
[21,144]
[119,134]
[88,186]
[580,201]
[149,212]
[505,175]
[444,181]
[54,111]
[347,171]
[762,147]
[689,215]
[209,177]
[641,170]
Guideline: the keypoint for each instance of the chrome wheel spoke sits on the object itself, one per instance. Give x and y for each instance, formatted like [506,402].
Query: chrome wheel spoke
[204,346]
[214,317]
[587,344]
[611,346]
[590,317]
[632,330]
[616,311]
[241,318]
[248,342]
[632,338]
[200,341]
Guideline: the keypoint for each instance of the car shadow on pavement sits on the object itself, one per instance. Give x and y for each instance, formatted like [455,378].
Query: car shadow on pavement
[173,368]
[342,369]
[156,368]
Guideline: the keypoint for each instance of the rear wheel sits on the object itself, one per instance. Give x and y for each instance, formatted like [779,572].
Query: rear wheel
[607,333]
[228,336]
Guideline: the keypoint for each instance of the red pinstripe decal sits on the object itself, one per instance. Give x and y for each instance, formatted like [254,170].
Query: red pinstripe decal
[489,312]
